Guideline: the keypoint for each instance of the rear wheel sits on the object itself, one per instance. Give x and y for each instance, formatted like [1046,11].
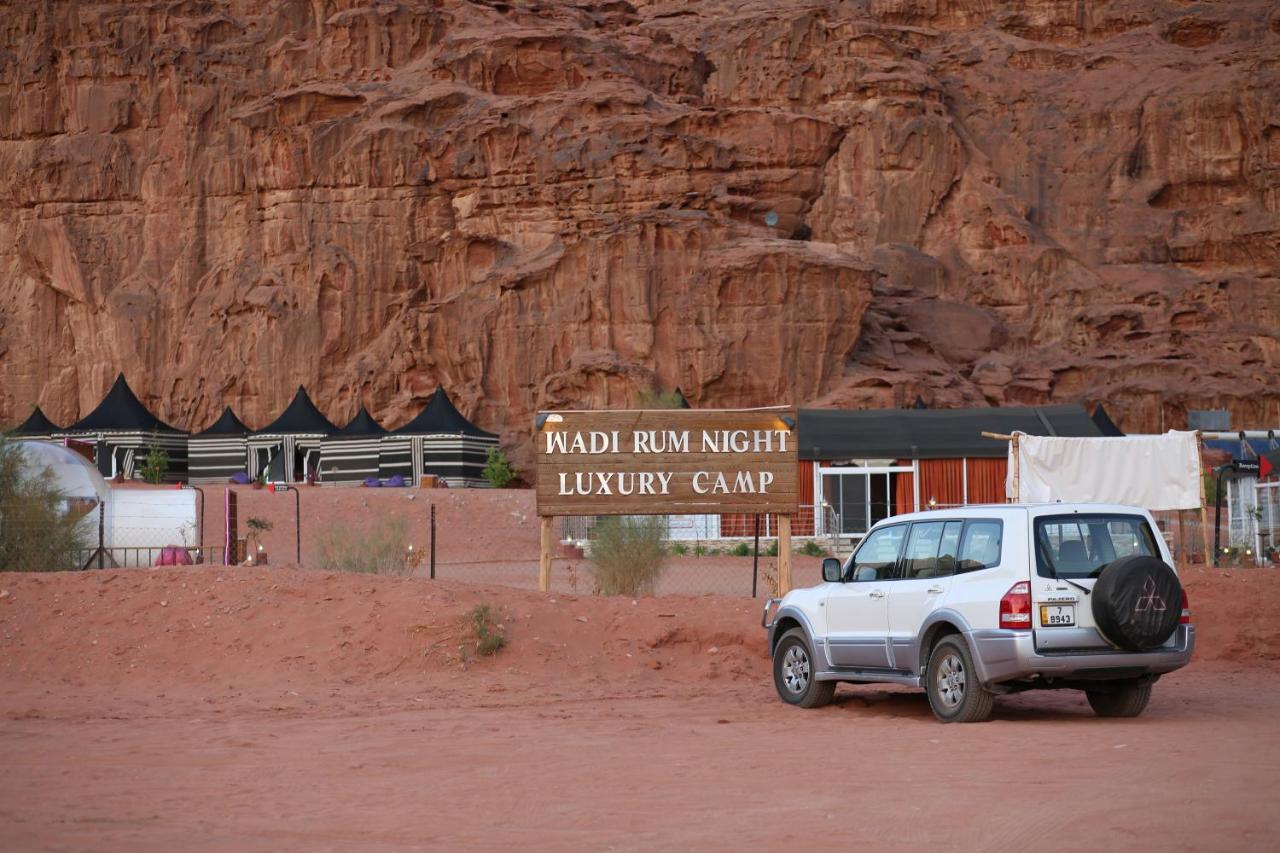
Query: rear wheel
[793,673]
[1129,700]
[955,694]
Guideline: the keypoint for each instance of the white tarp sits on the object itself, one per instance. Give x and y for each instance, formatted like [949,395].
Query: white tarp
[1150,471]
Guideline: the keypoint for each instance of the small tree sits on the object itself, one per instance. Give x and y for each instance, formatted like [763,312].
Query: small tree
[497,469]
[155,464]
[257,527]
[38,531]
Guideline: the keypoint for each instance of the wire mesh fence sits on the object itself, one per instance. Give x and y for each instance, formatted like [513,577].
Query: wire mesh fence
[493,537]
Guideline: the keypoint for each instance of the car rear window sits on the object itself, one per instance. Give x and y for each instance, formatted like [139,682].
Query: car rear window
[1081,546]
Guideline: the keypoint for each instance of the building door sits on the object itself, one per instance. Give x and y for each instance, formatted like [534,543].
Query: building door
[860,496]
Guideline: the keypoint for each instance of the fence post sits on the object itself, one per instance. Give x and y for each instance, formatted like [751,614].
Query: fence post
[433,541]
[544,553]
[755,559]
[784,554]
[102,530]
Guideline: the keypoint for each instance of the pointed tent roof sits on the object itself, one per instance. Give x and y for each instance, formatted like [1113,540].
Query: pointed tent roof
[227,424]
[36,424]
[121,410]
[1106,426]
[361,425]
[301,417]
[919,403]
[440,415]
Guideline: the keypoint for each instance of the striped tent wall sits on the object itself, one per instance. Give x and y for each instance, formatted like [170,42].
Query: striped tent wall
[459,460]
[350,460]
[265,449]
[124,452]
[216,458]
[396,455]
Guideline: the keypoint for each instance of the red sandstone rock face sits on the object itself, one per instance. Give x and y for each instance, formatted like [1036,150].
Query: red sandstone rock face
[557,204]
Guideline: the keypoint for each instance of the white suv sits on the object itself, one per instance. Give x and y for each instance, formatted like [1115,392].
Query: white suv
[974,602]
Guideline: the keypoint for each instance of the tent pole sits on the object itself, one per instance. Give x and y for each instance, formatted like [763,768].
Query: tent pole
[1204,508]
[1017,470]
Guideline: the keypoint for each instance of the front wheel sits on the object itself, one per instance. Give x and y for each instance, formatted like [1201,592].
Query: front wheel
[955,693]
[793,673]
[1129,700]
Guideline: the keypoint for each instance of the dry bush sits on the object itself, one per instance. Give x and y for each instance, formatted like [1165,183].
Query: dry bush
[488,640]
[39,531]
[628,554]
[381,548]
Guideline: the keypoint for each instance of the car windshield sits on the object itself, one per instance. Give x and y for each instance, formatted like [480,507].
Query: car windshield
[1081,546]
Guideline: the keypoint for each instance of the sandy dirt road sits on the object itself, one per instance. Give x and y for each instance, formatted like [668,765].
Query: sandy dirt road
[603,725]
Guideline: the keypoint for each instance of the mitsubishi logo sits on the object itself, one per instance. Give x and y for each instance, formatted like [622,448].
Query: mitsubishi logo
[1150,599]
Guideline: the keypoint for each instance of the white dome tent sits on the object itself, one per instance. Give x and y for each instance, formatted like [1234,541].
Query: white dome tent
[75,476]
[137,523]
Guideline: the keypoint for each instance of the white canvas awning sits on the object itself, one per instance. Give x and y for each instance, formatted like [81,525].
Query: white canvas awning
[1156,472]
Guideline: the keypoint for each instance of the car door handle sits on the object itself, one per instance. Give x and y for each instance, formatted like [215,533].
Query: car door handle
[933,590]
[875,593]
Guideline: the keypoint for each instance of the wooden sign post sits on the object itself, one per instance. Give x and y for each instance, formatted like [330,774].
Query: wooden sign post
[667,462]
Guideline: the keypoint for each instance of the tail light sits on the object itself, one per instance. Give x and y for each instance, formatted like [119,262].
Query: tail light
[1015,607]
[1185,618]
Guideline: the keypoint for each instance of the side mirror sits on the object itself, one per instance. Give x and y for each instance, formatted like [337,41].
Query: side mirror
[831,570]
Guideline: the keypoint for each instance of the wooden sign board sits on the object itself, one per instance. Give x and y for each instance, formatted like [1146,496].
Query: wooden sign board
[666,461]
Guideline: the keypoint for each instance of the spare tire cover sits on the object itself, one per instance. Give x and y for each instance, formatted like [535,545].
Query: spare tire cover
[1137,602]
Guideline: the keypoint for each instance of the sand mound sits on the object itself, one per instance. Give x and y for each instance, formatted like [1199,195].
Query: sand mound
[289,627]
[292,626]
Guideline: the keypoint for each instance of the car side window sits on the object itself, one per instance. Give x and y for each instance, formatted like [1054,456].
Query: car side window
[877,556]
[980,546]
[949,549]
[920,560]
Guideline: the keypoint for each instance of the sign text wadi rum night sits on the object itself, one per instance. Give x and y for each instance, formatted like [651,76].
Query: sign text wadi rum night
[659,461]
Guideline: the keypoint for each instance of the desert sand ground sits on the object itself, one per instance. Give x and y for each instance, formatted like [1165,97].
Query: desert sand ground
[284,708]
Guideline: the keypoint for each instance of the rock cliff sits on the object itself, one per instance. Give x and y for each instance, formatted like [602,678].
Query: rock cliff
[544,204]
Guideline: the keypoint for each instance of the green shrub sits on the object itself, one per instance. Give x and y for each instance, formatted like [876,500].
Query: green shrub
[742,549]
[680,549]
[488,641]
[649,398]
[812,549]
[628,555]
[155,464]
[497,469]
[39,531]
[772,549]
[699,550]
[381,548]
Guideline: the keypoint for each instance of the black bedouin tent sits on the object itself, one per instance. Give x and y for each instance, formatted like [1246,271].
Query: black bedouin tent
[351,455]
[219,452]
[826,434]
[122,431]
[1105,425]
[284,448]
[438,441]
[36,426]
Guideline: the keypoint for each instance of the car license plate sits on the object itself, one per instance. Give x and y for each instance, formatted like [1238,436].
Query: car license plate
[1055,615]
